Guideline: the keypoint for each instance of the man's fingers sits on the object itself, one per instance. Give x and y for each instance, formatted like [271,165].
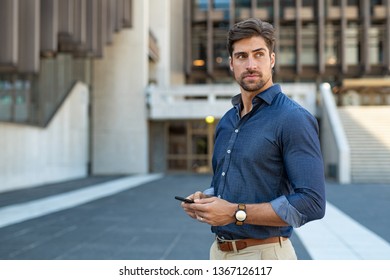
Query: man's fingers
[198,195]
[205,200]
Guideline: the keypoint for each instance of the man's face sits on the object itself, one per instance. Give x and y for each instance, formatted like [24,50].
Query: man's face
[252,64]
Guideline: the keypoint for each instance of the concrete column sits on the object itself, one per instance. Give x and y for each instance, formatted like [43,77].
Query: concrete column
[298,36]
[49,26]
[321,37]
[177,16]
[276,18]
[119,116]
[160,27]
[9,33]
[29,36]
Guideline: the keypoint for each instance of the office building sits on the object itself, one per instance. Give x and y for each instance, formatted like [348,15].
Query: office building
[106,87]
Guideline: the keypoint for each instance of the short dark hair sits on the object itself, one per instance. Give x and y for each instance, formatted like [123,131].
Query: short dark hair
[249,28]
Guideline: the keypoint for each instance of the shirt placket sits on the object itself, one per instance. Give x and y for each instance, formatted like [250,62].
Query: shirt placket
[228,154]
[229,149]
[227,159]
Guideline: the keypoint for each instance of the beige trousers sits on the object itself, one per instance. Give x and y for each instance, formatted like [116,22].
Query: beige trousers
[273,251]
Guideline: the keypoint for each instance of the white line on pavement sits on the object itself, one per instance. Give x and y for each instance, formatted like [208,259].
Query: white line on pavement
[25,211]
[339,237]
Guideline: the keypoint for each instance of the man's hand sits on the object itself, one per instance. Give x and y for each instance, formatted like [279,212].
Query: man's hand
[186,206]
[212,210]
[218,212]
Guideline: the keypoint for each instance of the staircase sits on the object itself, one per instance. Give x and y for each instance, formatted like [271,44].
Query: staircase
[368,132]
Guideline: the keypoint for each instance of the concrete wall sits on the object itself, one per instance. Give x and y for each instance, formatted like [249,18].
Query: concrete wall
[159,25]
[177,14]
[199,101]
[32,155]
[119,116]
[166,23]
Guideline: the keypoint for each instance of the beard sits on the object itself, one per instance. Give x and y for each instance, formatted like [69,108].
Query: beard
[248,85]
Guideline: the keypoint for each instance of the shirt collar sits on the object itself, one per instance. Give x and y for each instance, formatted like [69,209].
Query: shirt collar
[267,95]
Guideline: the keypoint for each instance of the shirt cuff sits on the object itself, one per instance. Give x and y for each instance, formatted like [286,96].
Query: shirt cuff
[287,212]
[209,192]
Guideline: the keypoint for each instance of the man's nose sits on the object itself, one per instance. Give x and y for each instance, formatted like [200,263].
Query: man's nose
[251,64]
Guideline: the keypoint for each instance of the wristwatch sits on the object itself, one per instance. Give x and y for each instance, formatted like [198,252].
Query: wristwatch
[240,214]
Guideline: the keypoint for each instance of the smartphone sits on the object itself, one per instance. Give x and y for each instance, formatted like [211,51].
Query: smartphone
[186,200]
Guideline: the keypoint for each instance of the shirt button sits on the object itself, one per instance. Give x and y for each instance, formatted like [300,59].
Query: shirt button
[229,151]
[223,173]
[236,131]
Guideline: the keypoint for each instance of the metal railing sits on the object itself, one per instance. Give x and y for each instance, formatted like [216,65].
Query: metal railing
[335,147]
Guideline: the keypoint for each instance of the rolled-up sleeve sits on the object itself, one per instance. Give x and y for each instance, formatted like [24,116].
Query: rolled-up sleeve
[287,212]
[304,169]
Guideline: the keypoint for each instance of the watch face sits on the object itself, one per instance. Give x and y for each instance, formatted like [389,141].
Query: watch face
[240,215]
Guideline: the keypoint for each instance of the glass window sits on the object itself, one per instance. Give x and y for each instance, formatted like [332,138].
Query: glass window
[332,43]
[199,10]
[221,56]
[308,10]
[382,43]
[178,138]
[286,55]
[264,9]
[221,10]
[199,46]
[189,145]
[353,2]
[242,9]
[375,44]
[378,9]
[14,98]
[308,3]
[287,9]
[201,5]
[309,44]
[352,44]
[22,92]
[5,100]
[199,145]
[221,4]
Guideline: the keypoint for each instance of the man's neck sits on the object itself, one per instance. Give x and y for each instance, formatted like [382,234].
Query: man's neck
[247,98]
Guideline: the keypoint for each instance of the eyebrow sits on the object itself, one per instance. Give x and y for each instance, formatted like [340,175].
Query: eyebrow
[252,51]
[259,49]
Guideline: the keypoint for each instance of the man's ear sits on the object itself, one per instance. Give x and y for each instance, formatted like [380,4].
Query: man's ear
[272,60]
[231,63]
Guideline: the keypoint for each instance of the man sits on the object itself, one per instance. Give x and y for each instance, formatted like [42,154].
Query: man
[267,163]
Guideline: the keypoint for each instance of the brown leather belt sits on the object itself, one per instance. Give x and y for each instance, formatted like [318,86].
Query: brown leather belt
[228,245]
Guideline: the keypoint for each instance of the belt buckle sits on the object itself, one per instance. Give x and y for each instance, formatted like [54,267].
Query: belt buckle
[228,245]
[220,240]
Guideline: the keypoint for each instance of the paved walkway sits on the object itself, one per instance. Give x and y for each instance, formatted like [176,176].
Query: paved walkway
[137,218]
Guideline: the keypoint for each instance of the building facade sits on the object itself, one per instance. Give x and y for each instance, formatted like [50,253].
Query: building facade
[103,87]
[317,40]
[72,80]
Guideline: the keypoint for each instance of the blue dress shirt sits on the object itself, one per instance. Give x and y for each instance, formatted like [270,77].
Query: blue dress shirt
[272,154]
